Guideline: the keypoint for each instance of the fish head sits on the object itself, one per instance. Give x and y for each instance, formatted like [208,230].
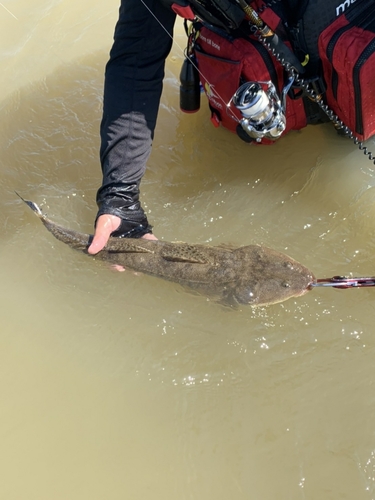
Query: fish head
[271,277]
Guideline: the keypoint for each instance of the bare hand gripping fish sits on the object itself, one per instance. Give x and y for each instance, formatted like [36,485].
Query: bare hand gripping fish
[253,274]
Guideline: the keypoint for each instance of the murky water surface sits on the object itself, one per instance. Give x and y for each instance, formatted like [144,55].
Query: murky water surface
[122,386]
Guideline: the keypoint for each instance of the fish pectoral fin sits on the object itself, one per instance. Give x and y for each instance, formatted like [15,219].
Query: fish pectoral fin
[120,245]
[191,260]
[186,254]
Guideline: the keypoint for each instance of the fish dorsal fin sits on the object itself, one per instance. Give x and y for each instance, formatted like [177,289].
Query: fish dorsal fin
[185,253]
[227,246]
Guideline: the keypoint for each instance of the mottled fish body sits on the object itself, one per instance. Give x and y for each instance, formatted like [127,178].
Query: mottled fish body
[253,274]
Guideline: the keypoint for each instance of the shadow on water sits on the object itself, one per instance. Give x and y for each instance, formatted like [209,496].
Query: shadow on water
[49,136]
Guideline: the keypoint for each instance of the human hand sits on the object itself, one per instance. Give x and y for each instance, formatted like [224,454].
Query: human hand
[105,226]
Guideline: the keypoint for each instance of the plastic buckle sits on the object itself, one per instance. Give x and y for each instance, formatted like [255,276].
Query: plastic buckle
[183,11]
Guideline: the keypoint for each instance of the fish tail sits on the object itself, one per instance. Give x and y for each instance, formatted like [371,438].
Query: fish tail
[34,207]
[78,241]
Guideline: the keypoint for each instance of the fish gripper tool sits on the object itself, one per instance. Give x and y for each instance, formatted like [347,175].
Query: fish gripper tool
[345,282]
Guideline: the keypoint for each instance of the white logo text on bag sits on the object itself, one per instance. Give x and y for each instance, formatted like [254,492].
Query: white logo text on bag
[343,6]
[211,42]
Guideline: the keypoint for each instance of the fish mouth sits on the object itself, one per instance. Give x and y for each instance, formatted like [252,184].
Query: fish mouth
[311,284]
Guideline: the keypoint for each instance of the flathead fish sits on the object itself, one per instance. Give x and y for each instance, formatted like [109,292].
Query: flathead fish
[253,274]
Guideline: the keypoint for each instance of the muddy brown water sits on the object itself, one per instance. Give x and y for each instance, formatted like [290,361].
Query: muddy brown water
[114,385]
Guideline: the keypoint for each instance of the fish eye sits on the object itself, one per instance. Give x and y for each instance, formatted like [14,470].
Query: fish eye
[285,284]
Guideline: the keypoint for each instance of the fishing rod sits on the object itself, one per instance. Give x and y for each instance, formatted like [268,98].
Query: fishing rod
[275,43]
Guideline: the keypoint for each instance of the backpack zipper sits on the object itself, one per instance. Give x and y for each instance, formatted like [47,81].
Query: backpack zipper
[359,21]
[366,53]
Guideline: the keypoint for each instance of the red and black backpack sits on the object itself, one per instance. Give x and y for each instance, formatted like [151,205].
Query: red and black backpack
[333,39]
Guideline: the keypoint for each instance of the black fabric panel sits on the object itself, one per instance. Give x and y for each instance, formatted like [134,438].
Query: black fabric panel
[132,90]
